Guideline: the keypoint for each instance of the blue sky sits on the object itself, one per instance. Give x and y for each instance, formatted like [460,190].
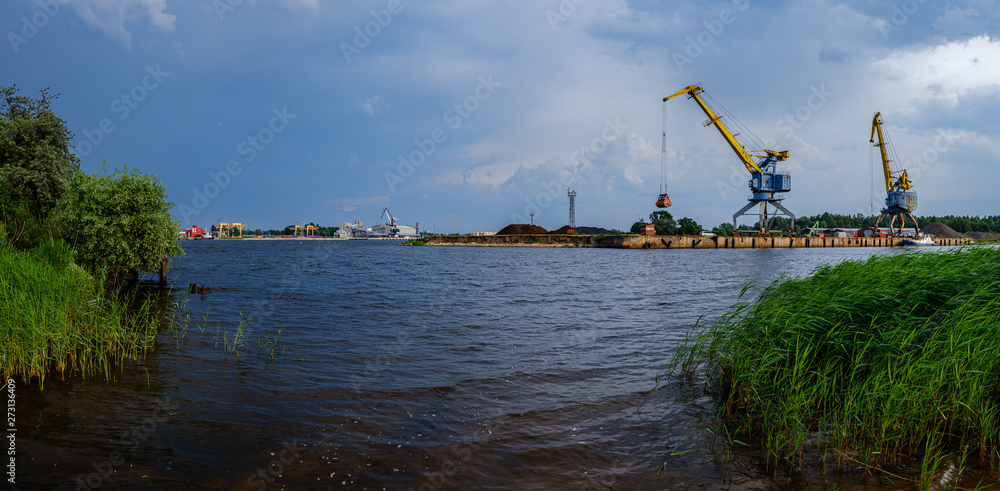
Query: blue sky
[466,116]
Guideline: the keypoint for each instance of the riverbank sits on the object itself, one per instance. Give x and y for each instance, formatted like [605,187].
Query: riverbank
[867,365]
[670,241]
[56,317]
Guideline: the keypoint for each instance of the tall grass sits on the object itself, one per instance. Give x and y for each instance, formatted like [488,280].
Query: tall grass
[870,363]
[55,316]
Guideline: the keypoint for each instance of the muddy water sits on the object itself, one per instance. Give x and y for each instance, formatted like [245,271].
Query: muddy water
[411,367]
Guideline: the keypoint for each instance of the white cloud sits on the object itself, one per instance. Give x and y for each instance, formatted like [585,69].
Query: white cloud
[110,17]
[370,106]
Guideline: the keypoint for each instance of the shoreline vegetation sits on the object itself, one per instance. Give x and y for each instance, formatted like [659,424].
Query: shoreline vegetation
[59,318]
[866,365]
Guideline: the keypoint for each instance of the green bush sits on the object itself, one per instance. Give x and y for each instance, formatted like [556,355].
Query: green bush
[119,221]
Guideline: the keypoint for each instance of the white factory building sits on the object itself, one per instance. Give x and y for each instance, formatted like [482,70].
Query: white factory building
[357,230]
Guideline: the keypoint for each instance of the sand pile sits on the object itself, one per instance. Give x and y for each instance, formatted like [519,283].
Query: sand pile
[939,229]
[522,229]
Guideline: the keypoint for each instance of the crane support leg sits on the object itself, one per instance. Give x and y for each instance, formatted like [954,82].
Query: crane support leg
[916,228]
[741,212]
[880,218]
[785,211]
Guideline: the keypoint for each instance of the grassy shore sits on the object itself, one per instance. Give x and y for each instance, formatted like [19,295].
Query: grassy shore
[871,364]
[57,317]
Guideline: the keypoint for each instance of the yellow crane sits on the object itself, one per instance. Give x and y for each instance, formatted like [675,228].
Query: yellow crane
[900,202]
[765,180]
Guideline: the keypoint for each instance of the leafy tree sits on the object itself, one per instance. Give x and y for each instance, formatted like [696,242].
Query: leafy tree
[688,226]
[724,228]
[638,227]
[35,159]
[118,222]
[664,222]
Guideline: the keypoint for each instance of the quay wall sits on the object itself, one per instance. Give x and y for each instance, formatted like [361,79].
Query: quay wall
[672,241]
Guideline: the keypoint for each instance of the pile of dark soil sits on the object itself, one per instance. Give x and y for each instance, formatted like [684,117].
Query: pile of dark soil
[582,230]
[939,229]
[522,229]
[592,231]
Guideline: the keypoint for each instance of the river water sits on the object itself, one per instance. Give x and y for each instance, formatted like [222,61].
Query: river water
[363,365]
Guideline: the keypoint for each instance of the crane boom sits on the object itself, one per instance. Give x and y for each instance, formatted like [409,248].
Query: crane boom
[904,180]
[741,152]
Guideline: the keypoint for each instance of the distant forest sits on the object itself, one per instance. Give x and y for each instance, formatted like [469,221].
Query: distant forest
[962,224]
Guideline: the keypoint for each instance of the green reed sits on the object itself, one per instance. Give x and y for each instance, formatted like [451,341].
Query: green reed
[57,317]
[866,364]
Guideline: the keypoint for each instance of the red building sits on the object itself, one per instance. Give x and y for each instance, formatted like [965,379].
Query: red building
[194,232]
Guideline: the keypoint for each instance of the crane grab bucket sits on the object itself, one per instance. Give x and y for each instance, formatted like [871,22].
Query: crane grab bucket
[663,201]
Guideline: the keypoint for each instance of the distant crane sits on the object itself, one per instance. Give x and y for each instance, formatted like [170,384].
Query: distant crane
[394,229]
[899,201]
[765,180]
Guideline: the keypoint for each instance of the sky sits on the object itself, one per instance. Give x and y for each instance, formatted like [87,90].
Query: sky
[468,116]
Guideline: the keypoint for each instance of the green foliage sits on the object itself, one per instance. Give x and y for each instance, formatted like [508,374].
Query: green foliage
[55,316]
[664,222]
[688,226]
[723,229]
[35,159]
[22,227]
[867,362]
[119,221]
[55,253]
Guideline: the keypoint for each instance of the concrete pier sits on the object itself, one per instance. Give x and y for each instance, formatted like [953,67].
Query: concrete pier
[672,241]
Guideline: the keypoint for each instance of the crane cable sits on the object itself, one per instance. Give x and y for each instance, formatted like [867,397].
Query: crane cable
[744,135]
[663,153]
[871,178]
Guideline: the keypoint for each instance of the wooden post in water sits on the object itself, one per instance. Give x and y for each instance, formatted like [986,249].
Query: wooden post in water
[163,270]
